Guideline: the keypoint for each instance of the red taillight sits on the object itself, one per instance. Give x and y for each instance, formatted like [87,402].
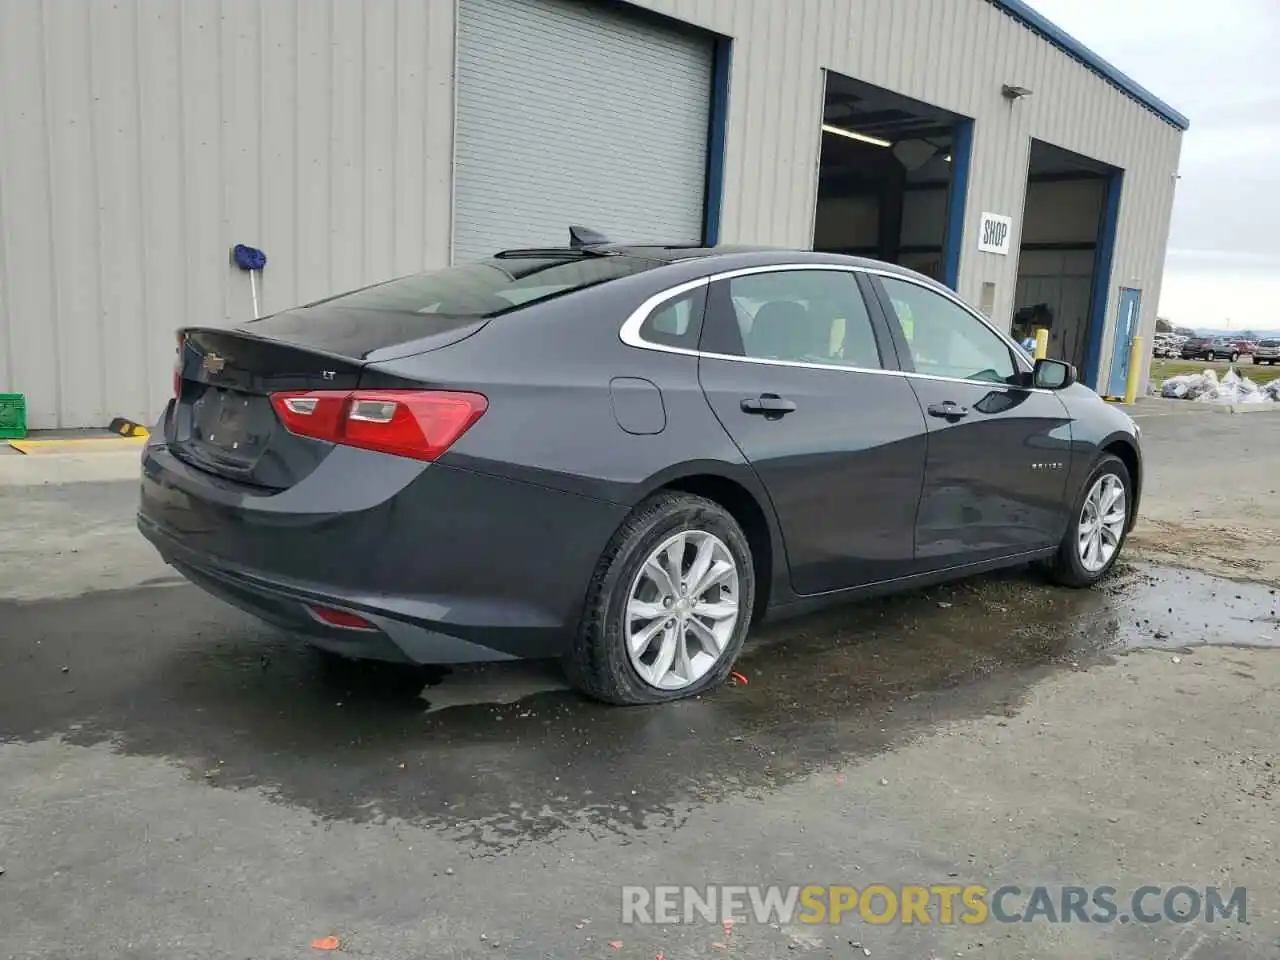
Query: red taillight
[340,618]
[421,424]
[177,365]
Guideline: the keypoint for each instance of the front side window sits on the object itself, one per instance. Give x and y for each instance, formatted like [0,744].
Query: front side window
[946,340]
[796,316]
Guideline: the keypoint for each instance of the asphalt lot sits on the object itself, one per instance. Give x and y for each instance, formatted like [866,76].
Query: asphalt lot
[177,781]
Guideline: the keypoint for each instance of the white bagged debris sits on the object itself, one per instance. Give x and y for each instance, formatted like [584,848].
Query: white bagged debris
[1190,386]
[1233,388]
[1248,390]
[1205,387]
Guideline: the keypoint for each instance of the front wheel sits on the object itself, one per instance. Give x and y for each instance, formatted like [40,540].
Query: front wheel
[668,609]
[1235,357]
[1099,525]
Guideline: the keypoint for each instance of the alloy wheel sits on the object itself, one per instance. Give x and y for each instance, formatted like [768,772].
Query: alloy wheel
[682,610]
[1102,520]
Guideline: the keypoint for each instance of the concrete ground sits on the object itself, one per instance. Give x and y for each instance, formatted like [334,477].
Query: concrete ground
[1210,500]
[176,780]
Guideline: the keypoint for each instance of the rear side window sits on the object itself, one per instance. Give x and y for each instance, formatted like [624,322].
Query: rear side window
[491,287]
[797,316]
[1269,343]
[677,322]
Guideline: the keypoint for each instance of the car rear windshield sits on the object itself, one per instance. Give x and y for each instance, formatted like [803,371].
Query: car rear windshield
[489,288]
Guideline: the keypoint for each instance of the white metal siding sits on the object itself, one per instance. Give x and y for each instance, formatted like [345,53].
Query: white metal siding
[955,54]
[140,140]
[572,112]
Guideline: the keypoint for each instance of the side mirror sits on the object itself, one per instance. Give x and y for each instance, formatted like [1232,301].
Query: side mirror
[1053,374]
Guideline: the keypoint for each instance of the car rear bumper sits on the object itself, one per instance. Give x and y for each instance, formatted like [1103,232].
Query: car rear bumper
[447,565]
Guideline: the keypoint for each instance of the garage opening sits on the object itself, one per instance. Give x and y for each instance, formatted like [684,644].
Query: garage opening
[891,179]
[1064,264]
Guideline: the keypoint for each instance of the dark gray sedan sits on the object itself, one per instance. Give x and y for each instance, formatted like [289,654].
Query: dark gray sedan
[622,456]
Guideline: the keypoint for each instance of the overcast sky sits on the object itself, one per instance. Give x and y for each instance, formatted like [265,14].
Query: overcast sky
[1216,63]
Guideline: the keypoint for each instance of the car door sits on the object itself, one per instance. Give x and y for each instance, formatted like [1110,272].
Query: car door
[998,452]
[804,380]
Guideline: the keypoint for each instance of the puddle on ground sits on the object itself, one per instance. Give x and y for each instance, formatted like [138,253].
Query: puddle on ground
[502,754]
[1007,617]
[1165,607]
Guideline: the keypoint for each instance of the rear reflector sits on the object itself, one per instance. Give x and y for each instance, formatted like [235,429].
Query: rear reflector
[340,618]
[420,424]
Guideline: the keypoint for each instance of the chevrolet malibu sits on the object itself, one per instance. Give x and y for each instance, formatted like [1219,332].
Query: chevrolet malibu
[623,457]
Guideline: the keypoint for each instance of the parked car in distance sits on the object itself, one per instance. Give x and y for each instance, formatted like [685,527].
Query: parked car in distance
[622,456]
[1245,347]
[1267,351]
[1164,345]
[1210,348]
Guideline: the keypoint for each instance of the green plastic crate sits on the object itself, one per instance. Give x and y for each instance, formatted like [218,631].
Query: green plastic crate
[13,416]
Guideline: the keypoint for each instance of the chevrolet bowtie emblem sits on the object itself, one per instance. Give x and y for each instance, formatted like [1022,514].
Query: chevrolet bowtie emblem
[213,363]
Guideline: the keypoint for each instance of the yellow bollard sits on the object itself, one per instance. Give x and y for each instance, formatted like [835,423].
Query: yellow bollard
[1135,370]
[1042,343]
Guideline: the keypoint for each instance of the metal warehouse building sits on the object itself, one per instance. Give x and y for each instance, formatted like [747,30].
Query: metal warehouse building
[356,140]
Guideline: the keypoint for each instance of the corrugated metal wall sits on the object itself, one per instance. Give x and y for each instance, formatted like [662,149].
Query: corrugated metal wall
[534,153]
[955,54]
[139,140]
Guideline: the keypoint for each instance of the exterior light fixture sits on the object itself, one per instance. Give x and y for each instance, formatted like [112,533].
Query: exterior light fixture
[1012,92]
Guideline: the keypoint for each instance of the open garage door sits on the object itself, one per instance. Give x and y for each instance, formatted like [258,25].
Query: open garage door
[1064,261]
[891,178]
[573,112]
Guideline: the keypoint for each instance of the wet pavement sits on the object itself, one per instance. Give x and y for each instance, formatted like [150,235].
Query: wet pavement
[179,780]
[501,755]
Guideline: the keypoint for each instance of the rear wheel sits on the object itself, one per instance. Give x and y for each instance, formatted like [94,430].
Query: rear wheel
[1098,527]
[669,606]
[1235,357]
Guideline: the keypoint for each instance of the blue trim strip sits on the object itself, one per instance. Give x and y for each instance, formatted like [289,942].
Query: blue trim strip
[957,196]
[718,130]
[1038,23]
[1102,278]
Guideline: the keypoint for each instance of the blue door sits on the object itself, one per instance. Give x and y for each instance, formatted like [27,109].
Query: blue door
[1130,309]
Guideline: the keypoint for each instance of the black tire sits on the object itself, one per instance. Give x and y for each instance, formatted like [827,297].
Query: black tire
[1235,357]
[1065,568]
[598,663]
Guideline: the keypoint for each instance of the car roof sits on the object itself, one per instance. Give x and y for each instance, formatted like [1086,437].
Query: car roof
[710,258]
[680,261]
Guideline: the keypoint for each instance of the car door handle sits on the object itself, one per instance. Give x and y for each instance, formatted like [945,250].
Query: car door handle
[768,405]
[949,410]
